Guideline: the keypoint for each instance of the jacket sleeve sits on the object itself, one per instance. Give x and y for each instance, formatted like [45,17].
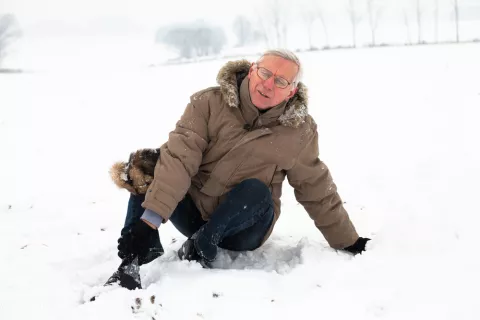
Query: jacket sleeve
[180,158]
[315,190]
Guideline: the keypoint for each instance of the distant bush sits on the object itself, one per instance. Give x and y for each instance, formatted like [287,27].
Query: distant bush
[193,40]
[11,70]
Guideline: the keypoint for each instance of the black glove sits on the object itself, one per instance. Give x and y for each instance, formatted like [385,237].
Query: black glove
[358,246]
[135,242]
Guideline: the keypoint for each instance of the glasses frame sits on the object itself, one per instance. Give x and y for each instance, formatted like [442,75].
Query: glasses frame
[271,74]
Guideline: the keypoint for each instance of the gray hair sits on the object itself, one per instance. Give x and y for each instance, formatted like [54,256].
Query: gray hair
[287,55]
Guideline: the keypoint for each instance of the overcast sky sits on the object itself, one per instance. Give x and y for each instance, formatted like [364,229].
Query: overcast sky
[67,16]
[147,12]
[150,12]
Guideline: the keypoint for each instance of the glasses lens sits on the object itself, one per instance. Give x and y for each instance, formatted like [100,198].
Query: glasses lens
[281,83]
[264,73]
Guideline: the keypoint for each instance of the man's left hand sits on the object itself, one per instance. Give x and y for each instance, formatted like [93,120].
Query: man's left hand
[136,241]
[358,246]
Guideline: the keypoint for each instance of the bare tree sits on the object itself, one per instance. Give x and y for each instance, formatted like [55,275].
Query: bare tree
[264,31]
[419,12]
[284,34]
[274,21]
[457,31]
[242,27]
[406,22]
[260,32]
[309,16]
[9,30]
[311,11]
[436,21]
[374,13]
[354,20]
[278,21]
[321,16]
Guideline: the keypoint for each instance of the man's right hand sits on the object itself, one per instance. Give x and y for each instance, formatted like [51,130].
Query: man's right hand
[135,242]
[358,247]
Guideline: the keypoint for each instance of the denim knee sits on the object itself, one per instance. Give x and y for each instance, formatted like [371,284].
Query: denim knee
[254,192]
[256,186]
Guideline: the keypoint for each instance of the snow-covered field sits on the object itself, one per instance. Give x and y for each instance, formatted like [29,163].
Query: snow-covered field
[398,128]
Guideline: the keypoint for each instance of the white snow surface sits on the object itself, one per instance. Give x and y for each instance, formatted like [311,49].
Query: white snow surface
[398,129]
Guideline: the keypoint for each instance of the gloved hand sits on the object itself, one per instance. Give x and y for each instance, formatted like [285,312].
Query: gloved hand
[135,242]
[358,246]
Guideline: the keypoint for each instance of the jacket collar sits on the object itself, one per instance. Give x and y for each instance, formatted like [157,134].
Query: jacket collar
[252,114]
[230,78]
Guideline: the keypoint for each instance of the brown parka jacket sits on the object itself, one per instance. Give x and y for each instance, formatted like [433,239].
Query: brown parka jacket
[222,139]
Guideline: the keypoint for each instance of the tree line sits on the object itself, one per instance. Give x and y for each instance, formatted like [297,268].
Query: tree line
[270,27]
[270,23]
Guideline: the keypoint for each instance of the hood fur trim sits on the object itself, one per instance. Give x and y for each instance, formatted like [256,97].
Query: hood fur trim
[230,77]
[137,174]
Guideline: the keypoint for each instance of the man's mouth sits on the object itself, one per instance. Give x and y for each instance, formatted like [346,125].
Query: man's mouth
[263,94]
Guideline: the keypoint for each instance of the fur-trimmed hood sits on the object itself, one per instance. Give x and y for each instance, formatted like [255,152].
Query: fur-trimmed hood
[230,77]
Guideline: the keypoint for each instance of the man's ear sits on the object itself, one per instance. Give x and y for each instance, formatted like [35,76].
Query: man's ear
[251,70]
[292,93]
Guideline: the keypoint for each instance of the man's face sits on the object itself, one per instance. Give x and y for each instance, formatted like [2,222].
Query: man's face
[271,81]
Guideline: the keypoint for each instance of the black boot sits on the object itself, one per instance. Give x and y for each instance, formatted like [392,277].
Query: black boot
[188,252]
[126,276]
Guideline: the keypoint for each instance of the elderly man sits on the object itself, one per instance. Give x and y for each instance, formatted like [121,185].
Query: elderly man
[219,176]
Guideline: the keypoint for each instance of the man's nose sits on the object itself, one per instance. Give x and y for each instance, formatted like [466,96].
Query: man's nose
[269,83]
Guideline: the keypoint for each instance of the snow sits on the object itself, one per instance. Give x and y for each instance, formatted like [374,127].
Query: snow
[398,129]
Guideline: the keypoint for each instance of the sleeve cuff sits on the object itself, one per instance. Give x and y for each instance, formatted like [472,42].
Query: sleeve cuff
[152,217]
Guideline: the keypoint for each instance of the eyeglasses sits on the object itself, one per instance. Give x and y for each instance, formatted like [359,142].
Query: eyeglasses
[265,74]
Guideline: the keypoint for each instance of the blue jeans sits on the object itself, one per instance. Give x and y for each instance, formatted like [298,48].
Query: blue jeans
[240,223]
